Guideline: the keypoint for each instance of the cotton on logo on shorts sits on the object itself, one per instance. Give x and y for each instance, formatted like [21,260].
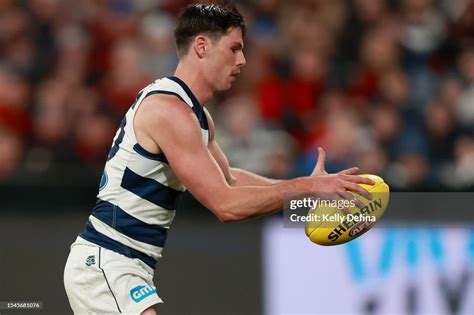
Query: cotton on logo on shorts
[140,292]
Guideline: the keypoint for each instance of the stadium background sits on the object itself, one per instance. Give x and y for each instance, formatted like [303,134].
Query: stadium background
[387,85]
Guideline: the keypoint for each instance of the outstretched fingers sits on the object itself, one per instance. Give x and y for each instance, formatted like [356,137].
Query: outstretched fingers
[350,186]
[357,179]
[349,171]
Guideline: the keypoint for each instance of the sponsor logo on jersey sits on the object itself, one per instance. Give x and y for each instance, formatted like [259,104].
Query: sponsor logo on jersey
[141,292]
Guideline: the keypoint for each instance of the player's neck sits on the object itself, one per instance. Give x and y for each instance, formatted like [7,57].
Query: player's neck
[195,82]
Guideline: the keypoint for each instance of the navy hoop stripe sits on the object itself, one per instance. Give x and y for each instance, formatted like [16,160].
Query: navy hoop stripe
[115,217]
[92,235]
[149,189]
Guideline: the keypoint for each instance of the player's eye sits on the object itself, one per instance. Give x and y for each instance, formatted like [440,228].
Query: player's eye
[236,49]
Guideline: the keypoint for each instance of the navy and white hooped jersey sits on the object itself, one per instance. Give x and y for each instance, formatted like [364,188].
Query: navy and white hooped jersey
[139,190]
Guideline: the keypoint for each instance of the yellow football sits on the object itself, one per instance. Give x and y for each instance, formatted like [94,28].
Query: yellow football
[329,225]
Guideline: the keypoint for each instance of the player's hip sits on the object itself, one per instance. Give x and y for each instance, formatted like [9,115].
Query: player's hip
[98,280]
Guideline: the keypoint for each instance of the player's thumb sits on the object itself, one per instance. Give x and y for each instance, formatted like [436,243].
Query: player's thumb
[320,164]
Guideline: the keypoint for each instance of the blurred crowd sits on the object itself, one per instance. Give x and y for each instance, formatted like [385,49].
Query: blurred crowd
[387,85]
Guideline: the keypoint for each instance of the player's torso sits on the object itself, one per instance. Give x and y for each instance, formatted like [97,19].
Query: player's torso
[138,189]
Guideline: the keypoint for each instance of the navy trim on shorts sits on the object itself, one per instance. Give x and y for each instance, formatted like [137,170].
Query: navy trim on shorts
[107,281]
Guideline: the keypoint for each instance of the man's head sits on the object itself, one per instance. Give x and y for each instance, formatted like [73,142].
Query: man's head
[212,20]
[212,35]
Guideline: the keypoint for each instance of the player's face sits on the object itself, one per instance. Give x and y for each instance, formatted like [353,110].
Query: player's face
[225,58]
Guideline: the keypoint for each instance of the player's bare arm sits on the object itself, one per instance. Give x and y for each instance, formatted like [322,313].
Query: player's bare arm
[181,141]
[240,177]
[234,176]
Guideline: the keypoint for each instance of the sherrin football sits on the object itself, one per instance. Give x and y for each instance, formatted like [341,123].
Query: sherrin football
[332,226]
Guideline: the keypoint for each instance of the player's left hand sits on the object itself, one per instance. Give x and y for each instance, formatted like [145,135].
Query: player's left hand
[320,168]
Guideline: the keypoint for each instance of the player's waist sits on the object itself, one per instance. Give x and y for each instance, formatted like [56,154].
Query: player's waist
[113,228]
[92,235]
[105,253]
[132,226]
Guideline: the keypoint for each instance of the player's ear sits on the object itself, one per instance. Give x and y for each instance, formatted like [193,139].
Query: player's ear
[201,43]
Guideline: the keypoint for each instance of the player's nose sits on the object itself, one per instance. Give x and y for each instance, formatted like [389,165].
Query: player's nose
[241,61]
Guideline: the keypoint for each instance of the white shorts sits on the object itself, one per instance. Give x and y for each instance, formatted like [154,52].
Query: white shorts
[101,281]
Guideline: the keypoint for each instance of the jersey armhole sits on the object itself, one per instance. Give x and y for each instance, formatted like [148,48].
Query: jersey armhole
[138,148]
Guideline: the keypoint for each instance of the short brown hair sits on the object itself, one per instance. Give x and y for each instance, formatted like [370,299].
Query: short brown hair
[212,19]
